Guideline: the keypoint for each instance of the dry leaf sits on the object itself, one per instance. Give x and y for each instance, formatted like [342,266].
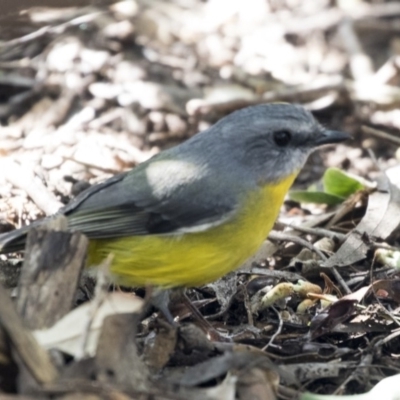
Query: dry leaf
[66,335]
[381,219]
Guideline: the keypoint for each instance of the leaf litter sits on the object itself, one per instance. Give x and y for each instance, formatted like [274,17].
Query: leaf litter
[90,90]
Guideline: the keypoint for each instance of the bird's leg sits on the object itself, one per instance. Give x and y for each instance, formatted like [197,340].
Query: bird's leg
[211,332]
[196,313]
[160,299]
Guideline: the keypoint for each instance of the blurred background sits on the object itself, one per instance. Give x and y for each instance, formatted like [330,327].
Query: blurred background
[90,88]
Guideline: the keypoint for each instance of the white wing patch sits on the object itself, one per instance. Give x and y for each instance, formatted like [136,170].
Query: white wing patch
[166,175]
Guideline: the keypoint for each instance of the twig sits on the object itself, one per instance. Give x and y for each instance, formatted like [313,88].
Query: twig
[385,246]
[383,308]
[24,179]
[17,80]
[341,280]
[247,306]
[272,273]
[316,231]
[47,29]
[380,134]
[301,93]
[278,331]
[26,38]
[281,236]
[332,17]
[388,338]
[295,239]
[94,166]
[365,363]
[330,285]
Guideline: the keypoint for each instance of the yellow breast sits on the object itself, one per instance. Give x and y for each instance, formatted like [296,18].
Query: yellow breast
[193,259]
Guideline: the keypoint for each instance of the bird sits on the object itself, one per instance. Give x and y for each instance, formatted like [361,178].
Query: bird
[196,211]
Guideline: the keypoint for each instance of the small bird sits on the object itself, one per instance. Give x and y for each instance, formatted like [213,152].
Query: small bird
[194,212]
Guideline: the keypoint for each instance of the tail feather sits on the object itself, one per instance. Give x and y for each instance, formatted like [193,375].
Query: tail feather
[13,241]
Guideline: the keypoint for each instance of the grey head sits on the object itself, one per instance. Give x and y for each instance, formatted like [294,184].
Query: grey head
[269,141]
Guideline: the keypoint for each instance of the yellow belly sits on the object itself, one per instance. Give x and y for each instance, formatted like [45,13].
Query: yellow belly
[193,259]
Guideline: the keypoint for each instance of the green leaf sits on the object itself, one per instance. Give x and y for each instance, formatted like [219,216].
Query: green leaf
[305,196]
[337,185]
[341,184]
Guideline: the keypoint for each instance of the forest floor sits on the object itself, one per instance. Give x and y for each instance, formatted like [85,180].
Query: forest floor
[89,90]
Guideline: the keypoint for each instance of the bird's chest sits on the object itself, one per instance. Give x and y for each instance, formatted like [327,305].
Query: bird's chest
[246,232]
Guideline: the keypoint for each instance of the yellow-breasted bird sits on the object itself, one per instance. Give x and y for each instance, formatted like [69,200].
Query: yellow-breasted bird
[196,211]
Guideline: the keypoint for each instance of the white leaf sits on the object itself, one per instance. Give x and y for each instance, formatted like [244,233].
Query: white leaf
[68,333]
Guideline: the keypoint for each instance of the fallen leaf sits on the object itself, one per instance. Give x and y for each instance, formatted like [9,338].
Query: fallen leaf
[381,219]
[336,313]
[66,335]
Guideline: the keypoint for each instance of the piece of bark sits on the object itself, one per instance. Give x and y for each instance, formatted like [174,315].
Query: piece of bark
[8,367]
[117,358]
[10,272]
[193,346]
[257,384]
[158,353]
[32,356]
[52,267]
[49,278]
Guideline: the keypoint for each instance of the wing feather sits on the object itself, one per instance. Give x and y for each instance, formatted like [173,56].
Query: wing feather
[129,204]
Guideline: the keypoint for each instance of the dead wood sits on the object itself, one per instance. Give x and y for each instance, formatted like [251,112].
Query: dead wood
[117,358]
[50,274]
[32,356]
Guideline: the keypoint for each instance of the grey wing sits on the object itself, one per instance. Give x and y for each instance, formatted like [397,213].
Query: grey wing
[131,204]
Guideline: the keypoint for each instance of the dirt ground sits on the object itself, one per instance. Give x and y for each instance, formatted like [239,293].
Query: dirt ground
[92,89]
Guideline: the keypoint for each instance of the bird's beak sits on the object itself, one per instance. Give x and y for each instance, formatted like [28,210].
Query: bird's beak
[330,137]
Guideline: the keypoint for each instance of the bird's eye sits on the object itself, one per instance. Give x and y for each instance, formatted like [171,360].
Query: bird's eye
[282,138]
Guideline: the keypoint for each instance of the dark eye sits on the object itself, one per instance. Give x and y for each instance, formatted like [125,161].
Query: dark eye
[282,138]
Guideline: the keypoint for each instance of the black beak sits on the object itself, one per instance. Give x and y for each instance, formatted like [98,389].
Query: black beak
[330,137]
